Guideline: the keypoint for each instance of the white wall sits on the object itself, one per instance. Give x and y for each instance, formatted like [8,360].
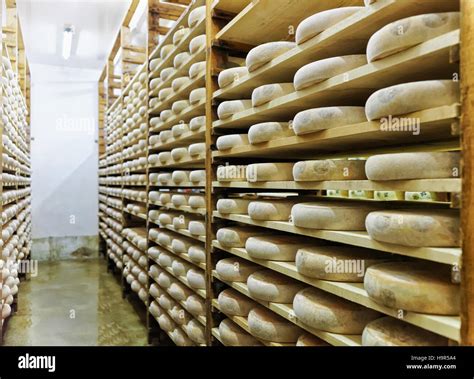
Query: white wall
[64,154]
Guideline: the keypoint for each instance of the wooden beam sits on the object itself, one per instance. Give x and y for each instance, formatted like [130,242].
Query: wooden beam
[167,11]
[467,143]
[131,12]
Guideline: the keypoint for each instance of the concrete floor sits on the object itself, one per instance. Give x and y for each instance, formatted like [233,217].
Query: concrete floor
[74,303]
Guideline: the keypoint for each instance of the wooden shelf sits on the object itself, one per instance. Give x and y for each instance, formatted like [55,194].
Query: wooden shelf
[185,116]
[182,185]
[184,257]
[183,140]
[183,232]
[447,326]
[193,163]
[183,280]
[446,255]
[184,208]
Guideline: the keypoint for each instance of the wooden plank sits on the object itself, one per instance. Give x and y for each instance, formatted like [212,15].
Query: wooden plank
[185,116]
[446,255]
[184,140]
[354,87]
[447,326]
[349,36]
[231,6]
[167,11]
[467,138]
[192,162]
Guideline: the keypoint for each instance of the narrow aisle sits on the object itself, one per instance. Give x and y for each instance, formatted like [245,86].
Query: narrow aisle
[74,303]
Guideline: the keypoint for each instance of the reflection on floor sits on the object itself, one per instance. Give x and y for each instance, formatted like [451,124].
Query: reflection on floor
[74,303]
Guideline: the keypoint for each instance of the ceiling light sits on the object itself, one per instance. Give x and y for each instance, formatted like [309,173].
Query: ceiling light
[67,41]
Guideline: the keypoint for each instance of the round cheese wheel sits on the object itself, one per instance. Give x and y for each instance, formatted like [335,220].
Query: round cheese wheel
[330,216]
[314,120]
[165,93]
[196,278]
[181,59]
[197,69]
[235,269]
[197,228]
[229,108]
[165,218]
[164,280]
[180,105]
[336,263]
[232,206]
[268,92]
[154,63]
[179,291]
[166,323]
[164,239]
[196,16]
[180,268]
[166,302]
[324,311]
[166,73]
[268,285]
[181,222]
[388,331]
[197,201]
[417,165]
[179,315]
[166,115]
[423,287]
[154,83]
[236,236]
[268,131]
[263,54]
[180,83]
[197,149]
[181,245]
[196,305]
[180,338]
[179,35]
[197,123]
[321,21]
[231,75]
[155,310]
[197,95]
[197,176]
[179,177]
[233,335]
[179,200]
[267,172]
[324,69]
[155,271]
[165,135]
[196,331]
[268,326]
[164,178]
[179,129]
[197,254]
[155,291]
[275,248]
[230,141]
[233,303]
[408,32]
[180,153]
[270,210]
[415,227]
[329,169]
[165,260]
[197,43]
[310,340]
[405,98]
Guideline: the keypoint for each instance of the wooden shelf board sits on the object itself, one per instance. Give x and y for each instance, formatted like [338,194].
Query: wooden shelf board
[185,116]
[230,6]
[187,163]
[447,326]
[183,140]
[184,257]
[183,280]
[182,185]
[184,208]
[183,232]
[446,255]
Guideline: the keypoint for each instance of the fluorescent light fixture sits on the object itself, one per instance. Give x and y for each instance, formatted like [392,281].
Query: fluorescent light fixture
[67,41]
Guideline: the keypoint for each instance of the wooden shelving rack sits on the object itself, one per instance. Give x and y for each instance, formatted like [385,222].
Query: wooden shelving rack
[15,136]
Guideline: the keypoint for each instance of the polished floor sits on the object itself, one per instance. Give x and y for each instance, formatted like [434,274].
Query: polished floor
[74,303]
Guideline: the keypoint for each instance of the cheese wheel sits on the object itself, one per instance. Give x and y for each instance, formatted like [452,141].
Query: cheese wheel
[336,263]
[164,198]
[180,83]
[155,310]
[275,248]
[229,108]
[166,73]
[235,269]
[440,228]
[197,69]
[179,337]
[423,287]
[164,178]
[180,105]
[197,228]
[155,83]
[181,59]
[154,63]
[179,291]
[197,176]
[232,206]
[233,335]
[164,280]
[236,236]
[268,172]
[230,141]
[324,311]
[263,54]
[405,98]
[166,302]
[270,210]
[195,305]
[196,278]
[197,149]
[197,43]
[179,315]
[268,285]
[165,218]
[155,291]
[179,35]
[319,22]
[155,121]
[324,69]
[408,32]
[180,153]
[310,340]
[417,165]
[330,216]
[197,123]
[179,129]
[197,201]
[165,135]
[166,115]
[231,75]
[155,271]
[233,303]
[197,95]
[166,323]
[269,131]
[196,16]
[181,221]
[196,331]
[268,92]
[314,120]
[179,176]
[165,260]
[231,173]
[165,93]
[388,331]
[197,254]
[329,169]
[268,326]
[181,246]
[179,200]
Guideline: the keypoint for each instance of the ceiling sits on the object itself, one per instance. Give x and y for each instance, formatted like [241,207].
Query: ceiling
[96,24]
